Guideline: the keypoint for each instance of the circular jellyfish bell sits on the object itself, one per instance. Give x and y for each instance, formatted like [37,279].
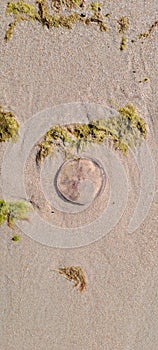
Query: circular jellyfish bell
[80,180]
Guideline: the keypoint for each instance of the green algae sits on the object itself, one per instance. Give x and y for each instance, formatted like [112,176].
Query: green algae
[124,131]
[123,43]
[21,11]
[123,24]
[21,7]
[16,238]
[135,121]
[10,30]
[63,13]
[12,211]
[8,126]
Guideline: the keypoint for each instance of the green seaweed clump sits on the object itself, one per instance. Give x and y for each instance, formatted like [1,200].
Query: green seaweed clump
[61,13]
[123,24]
[124,131]
[22,11]
[8,126]
[16,238]
[58,137]
[135,121]
[123,43]
[20,7]
[12,211]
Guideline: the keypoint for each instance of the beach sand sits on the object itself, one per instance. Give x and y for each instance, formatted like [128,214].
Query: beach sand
[118,310]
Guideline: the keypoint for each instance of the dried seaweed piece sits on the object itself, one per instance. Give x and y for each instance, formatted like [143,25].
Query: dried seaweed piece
[8,126]
[12,211]
[65,21]
[68,4]
[75,274]
[10,30]
[97,16]
[44,17]
[150,30]
[123,24]
[102,26]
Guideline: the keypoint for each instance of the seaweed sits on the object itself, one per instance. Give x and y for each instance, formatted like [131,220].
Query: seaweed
[10,30]
[65,21]
[21,11]
[20,7]
[123,43]
[16,238]
[75,274]
[97,16]
[123,24]
[149,31]
[95,7]
[12,211]
[124,131]
[136,122]
[8,126]
[64,14]
[68,4]
[44,17]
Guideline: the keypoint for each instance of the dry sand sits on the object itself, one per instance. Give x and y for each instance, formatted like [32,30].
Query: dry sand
[119,308]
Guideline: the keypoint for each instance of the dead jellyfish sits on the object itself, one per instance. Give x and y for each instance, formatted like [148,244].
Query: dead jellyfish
[80,180]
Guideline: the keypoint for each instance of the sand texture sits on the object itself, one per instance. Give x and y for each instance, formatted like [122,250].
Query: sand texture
[67,76]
